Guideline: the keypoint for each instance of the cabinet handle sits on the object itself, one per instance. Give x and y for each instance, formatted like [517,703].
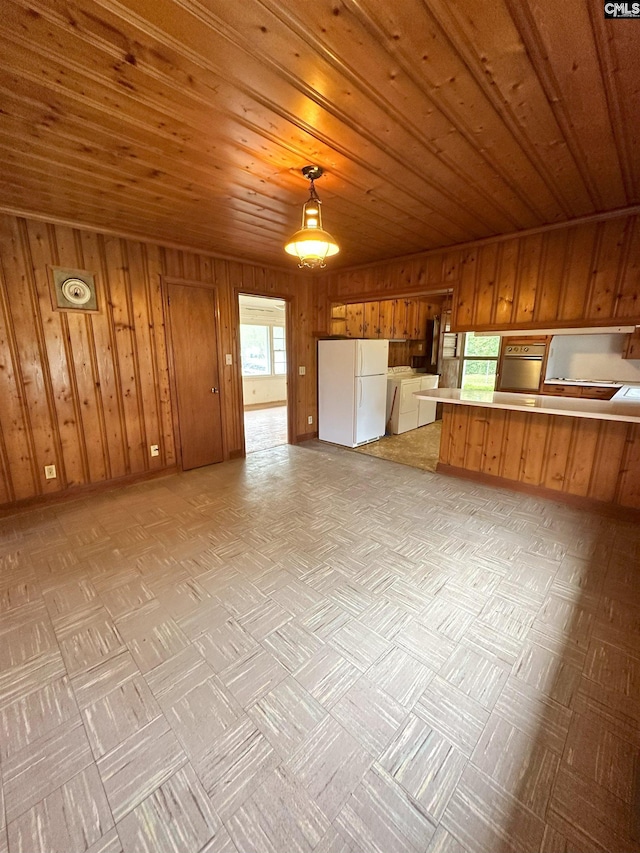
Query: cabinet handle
[214,391]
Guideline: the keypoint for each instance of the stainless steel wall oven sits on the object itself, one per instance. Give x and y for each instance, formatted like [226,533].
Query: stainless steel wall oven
[522,367]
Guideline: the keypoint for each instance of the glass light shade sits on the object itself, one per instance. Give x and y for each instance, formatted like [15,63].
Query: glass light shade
[312,246]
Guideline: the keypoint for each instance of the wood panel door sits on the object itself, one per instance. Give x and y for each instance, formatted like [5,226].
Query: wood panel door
[192,311]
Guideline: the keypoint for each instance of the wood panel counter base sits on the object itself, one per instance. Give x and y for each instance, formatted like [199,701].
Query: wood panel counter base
[589,504]
[554,455]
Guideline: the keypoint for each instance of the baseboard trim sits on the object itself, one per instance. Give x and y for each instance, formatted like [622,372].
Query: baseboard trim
[237,454]
[614,510]
[275,404]
[77,492]
[306,436]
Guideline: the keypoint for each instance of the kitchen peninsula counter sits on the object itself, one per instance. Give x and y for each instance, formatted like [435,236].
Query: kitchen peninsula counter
[576,407]
[559,447]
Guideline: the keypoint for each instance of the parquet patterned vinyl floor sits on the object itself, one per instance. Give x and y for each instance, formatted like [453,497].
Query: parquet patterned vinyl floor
[314,651]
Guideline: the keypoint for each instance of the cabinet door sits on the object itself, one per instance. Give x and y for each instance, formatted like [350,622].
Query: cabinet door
[354,320]
[371,321]
[598,393]
[411,325]
[399,318]
[385,321]
[424,310]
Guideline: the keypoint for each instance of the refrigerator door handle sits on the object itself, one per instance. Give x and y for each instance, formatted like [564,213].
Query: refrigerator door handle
[361,358]
[360,400]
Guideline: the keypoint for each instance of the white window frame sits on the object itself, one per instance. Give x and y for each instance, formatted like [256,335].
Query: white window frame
[271,351]
[487,358]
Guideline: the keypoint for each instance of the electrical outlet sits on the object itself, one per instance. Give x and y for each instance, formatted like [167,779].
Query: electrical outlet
[228,358]
[310,419]
[155,450]
[302,371]
[50,472]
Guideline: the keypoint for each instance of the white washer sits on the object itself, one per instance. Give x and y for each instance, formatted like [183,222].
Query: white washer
[404,410]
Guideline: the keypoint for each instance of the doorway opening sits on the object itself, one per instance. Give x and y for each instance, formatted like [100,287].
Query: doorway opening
[263,358]
[415,328]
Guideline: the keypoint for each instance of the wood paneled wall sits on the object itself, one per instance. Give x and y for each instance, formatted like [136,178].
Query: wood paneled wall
[431,273]
[584,457]
[89,393]
[585,274]
[385,318]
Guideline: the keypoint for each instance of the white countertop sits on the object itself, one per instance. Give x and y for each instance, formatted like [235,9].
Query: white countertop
[617,409]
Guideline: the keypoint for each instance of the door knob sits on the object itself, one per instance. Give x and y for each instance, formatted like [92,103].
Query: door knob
[214,391]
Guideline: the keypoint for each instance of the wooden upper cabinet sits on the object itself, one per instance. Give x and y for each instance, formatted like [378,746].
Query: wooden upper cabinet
[371,320]
[418,311]
[581,275]
[385,320]
[399,318]
[632,350]
[354,320]
[421,317]
[404,319]
[411,325]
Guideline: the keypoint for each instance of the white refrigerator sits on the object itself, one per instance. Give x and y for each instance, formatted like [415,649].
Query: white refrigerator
[352,390]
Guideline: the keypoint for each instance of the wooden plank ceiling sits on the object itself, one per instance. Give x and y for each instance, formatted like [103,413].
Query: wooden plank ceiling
[440,122]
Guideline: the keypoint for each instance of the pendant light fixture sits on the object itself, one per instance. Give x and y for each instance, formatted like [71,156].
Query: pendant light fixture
[311,244]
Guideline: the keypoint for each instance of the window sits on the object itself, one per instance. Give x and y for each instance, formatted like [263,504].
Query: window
[263,350]
[255,348]
[480,362]
[279,350]
[449,338]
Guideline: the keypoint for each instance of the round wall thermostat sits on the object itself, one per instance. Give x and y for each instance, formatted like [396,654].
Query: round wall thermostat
[76,291]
